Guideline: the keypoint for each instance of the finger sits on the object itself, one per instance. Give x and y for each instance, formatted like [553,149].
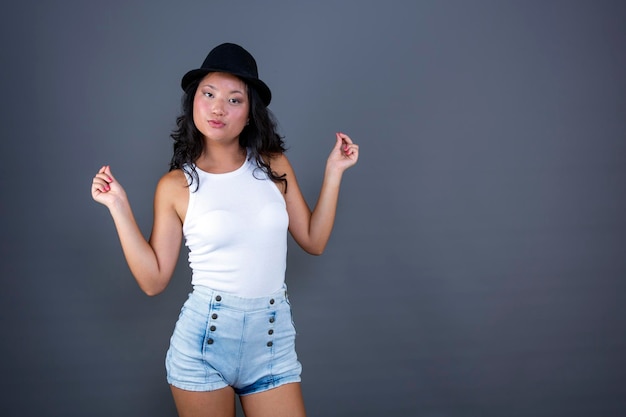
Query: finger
[96,190]
[103,178]
[346,143]
[107,171]
[352,150]
[345,138]
[349,147]
[101,183]
[338,142]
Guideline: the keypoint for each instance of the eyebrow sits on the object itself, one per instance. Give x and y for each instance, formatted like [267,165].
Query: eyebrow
[214,88]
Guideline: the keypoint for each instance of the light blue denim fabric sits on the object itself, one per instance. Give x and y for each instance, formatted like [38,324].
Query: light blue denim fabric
[224,340]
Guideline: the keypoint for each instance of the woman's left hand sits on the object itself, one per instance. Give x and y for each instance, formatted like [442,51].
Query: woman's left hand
[344,155]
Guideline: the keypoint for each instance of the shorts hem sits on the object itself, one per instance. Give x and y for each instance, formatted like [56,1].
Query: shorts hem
[214,386]
[274,384]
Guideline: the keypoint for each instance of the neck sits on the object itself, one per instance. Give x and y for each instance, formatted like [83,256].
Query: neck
[218,159]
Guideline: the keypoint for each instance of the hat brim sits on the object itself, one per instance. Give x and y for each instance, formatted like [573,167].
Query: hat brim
[258,85]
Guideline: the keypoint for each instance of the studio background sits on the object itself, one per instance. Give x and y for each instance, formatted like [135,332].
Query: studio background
[477,266]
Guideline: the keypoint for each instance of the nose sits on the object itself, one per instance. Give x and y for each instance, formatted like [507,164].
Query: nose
[217,108]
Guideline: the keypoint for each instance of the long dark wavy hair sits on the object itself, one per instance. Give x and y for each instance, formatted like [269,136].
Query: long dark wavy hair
[259,136]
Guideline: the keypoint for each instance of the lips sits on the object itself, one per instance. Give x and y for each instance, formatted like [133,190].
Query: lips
[216,124]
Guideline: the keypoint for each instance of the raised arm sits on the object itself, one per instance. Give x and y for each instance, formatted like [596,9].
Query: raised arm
[311,230]
[151,262]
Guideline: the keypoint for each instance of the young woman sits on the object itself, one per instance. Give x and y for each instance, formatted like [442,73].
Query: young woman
[232,193]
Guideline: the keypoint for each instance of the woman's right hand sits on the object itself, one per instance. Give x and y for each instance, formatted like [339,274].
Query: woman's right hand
[105,189]
[152,262]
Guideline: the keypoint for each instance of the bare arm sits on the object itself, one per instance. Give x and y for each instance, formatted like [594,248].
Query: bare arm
[151,262]
[311,229]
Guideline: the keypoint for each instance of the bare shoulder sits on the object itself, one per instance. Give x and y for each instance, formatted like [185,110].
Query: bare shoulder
[173,180]
[173,191]
[172,184]
[281,165]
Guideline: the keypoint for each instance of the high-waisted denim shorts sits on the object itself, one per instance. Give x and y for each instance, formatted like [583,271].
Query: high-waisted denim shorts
[223,340]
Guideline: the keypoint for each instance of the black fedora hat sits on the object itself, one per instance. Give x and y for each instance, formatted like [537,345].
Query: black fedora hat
[233,59]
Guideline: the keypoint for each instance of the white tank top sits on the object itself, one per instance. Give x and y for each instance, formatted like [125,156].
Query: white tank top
[236,232]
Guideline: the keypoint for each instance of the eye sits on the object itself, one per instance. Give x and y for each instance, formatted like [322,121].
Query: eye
[235,101]
[207,94]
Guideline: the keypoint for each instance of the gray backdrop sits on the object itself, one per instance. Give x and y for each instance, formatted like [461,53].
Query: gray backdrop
[477,267]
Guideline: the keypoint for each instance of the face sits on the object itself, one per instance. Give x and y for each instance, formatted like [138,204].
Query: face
[221,106]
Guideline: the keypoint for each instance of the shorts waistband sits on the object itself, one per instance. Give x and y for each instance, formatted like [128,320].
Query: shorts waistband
[237,302]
